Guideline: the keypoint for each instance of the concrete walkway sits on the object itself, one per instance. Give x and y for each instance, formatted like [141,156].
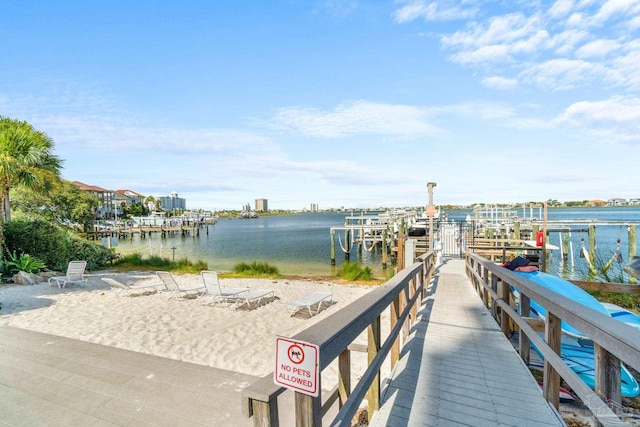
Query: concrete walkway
[55,381]
[457,367]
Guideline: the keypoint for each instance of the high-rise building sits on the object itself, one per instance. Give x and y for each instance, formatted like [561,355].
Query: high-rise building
[313,207]
[261,205]
[172,202]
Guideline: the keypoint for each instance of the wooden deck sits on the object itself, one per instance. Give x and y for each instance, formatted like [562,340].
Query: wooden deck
[56,381]
[458,368]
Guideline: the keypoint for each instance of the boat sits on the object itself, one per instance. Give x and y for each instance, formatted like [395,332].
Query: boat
[564,394]
[566,289]
[418,228]
[622,314]
[576,349]
[581,361]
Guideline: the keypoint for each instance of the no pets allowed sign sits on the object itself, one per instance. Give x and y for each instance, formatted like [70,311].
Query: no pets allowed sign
[297,366]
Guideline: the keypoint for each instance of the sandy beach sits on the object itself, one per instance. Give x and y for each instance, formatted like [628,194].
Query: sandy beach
[241,340]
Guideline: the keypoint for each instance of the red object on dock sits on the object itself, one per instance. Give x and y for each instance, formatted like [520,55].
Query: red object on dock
[540,238]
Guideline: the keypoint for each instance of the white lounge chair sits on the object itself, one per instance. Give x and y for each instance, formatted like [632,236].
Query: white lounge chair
[308,301]
[215,292]
[173,289]
[119,287]
[75,274]
[253,296]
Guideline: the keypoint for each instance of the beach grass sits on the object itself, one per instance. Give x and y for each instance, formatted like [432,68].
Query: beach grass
[255,269]
[628,301]
[353,271]
[137,262]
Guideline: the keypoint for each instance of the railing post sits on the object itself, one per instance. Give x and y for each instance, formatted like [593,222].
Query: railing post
[394,316]
[485,293]
[525,343]
[504,321]
[404,300]
[421,281]
[414,307]
[265,414]
[308,410]
[400,253]
[344,382]
[552,335]
[373,395]
[607,376]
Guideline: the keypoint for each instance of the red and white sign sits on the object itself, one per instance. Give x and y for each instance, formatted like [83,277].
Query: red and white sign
[297,366]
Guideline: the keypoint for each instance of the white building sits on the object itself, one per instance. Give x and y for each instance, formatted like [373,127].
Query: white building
[261,205]
[172,202]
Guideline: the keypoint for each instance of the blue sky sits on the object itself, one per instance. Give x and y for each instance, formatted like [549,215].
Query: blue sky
[339,103]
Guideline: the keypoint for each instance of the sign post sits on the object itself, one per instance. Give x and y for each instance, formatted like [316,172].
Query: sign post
[297,366]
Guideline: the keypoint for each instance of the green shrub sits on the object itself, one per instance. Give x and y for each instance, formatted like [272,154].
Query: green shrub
[256,269]
[23,262]
[53,245]
[136,262]
[353,271]
[628,301]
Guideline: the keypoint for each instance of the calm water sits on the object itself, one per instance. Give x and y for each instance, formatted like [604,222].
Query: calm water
[300,243]
[296,244]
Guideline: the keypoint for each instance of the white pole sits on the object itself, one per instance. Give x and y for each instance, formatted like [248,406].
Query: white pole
[571,250]
[561,249]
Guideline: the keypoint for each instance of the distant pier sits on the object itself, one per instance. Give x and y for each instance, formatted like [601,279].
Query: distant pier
[146,226]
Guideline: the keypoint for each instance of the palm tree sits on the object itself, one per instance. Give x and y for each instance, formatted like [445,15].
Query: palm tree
[25,160]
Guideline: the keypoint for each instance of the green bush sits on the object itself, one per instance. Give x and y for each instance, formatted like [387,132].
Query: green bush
[628,301]
[135,261]
[23,262]
[256,269]
[353,271]
[53,245]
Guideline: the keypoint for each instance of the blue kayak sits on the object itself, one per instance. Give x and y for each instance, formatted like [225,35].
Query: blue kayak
[623,315]
[564,288]
[579,358]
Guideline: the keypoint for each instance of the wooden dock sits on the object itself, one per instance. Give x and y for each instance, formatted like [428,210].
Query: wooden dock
[56,381]
[458,368]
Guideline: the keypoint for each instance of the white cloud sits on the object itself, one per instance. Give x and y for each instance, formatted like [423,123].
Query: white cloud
[498,30]
[561,8]
[538,45]
[357,118]
[597,49]
[616,119]
[564,43]
[484,111]
[562,74]
[613,8]
[433,11]
[625,69]
[107,134]
[501,83]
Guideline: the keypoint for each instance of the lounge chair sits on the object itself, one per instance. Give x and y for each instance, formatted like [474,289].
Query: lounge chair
[75,274]
[308,301]
[119,287]
[215,292]
[173,289]
[252,296]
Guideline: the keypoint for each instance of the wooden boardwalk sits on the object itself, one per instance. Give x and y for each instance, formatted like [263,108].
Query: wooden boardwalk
[55,381]
[457,367]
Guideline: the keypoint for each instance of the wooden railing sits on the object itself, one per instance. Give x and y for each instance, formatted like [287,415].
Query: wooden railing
[334,335]
[614,341]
